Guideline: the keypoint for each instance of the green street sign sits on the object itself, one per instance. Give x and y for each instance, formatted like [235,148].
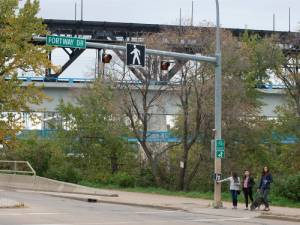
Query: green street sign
[220,145]
[220,148]
[66,42]
[220,154]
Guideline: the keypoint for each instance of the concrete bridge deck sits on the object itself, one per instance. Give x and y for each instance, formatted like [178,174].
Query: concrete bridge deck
[66,89]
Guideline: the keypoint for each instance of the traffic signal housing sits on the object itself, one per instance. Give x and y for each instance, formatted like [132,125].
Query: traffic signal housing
[164,65]
[106,58]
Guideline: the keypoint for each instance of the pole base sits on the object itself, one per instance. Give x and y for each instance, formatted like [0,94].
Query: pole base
[217,205]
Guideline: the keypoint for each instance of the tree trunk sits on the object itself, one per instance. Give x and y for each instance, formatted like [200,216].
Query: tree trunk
[182,171]
[154,169]
[114,162]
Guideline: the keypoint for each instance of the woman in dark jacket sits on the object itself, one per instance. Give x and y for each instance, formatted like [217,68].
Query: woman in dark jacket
[248,183]
[265,185]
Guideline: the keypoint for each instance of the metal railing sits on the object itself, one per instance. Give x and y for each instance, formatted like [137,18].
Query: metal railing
[53,79]
[13,167]
[126,82]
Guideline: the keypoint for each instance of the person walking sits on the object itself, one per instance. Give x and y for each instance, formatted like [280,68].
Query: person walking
[234,187]
[248,183]
[265,185]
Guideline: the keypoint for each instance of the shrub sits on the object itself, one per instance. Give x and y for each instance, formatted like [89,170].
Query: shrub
[123,180]
[145,179]
[292,187]
[64,172]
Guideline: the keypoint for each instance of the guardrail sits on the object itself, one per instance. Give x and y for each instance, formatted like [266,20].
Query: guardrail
[12,167]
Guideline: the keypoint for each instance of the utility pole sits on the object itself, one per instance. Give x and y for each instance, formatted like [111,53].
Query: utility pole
[289,19]
[192,18]
[273,22]
[218,106]
[81,10]
[75,11]
[180,17]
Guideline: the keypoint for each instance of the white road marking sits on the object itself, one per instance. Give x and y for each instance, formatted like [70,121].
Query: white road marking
[50,224]
[29,213]
[157,212]
[222,219]
[134,222]
[131,222]
[104,223]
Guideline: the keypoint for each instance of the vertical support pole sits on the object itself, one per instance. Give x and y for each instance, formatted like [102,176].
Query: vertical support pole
[192,18]
[81,10]
[15,167]
[48,70]
[101,65]
[273,22]
[180,17]
[289,19]
[218,106]
[96,64]
[75,11]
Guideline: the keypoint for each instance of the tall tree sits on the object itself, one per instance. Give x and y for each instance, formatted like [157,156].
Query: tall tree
[290,77]
[195,123]
[17,54]
[142,101]
[94,130]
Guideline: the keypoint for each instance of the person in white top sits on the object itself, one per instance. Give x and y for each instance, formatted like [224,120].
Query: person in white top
[234,187]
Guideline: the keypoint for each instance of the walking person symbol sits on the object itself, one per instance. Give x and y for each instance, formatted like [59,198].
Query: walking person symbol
[136,56]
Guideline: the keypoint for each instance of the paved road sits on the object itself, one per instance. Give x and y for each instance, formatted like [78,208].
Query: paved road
[49,210]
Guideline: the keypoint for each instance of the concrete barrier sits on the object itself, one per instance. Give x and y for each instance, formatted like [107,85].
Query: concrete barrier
[37,183]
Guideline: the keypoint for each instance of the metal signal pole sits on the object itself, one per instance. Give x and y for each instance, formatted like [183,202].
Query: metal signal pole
[218,106]
[192,17]
[81,10]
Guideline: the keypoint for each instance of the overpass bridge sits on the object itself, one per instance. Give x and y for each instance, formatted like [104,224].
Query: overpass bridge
[66,89]
[121,33]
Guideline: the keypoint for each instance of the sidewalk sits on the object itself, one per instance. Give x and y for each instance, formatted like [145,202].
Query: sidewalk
[192,205]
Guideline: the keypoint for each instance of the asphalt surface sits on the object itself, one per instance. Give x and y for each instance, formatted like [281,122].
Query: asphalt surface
[48,210]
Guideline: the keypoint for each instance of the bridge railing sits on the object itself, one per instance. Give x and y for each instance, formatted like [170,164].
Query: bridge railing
[152,136]
[271,86]
[121,82]
[53,79]
[16,167]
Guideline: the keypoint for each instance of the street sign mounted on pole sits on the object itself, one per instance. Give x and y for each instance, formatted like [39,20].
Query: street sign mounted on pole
[135,55]
[217,176]
[220,148]
[65,42]
[220,154]
[220,145]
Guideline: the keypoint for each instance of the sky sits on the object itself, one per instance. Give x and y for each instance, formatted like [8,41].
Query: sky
[252,14]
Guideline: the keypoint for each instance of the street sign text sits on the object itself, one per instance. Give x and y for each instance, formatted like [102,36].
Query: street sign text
[66,42]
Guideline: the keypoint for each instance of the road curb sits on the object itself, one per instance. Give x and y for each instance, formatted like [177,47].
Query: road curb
[53,193]
[95,200]
[262,215]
